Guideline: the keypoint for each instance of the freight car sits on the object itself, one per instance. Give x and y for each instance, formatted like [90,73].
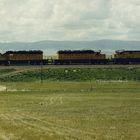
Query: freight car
[80,57]
[22,57]
[126,57]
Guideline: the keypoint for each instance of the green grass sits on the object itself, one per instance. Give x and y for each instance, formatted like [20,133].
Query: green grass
[70,110]
[5,71]
[75,74]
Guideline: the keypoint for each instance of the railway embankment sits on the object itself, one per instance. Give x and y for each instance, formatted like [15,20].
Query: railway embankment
[71,74]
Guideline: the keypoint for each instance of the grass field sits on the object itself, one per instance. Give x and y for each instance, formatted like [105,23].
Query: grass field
[70,74]
[70,110]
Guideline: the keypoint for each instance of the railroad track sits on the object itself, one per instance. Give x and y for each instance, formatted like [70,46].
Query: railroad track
[67,66]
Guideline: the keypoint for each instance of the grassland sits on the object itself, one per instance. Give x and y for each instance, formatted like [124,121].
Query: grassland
[69,109]
[72,74]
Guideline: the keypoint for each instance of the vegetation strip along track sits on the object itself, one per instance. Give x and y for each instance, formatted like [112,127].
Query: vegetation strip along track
[71,74]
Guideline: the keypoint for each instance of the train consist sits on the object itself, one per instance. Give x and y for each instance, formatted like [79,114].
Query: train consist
[69,57]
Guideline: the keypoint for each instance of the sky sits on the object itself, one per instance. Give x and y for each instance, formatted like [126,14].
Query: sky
[77,20]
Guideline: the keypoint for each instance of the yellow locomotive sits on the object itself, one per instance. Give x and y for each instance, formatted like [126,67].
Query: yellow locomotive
[22,57]
[127,54]
[127,57]
[80,57]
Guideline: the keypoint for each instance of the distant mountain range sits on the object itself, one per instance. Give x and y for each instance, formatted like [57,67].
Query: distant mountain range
[51,47]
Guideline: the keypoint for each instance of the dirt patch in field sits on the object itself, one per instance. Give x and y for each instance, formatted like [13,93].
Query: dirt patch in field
[2,88]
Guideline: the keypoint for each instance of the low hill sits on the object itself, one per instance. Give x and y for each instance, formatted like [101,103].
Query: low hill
[51,47]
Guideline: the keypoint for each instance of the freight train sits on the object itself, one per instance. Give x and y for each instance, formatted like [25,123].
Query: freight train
[69,57]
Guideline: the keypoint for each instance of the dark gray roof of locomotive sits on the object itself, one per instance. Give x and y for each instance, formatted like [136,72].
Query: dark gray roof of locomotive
[25,52]
[128,51]
[76,51]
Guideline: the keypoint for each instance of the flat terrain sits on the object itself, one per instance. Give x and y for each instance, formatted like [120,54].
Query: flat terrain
[83,110]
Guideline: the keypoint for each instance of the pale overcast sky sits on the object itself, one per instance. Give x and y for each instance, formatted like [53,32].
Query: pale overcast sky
[34,20]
